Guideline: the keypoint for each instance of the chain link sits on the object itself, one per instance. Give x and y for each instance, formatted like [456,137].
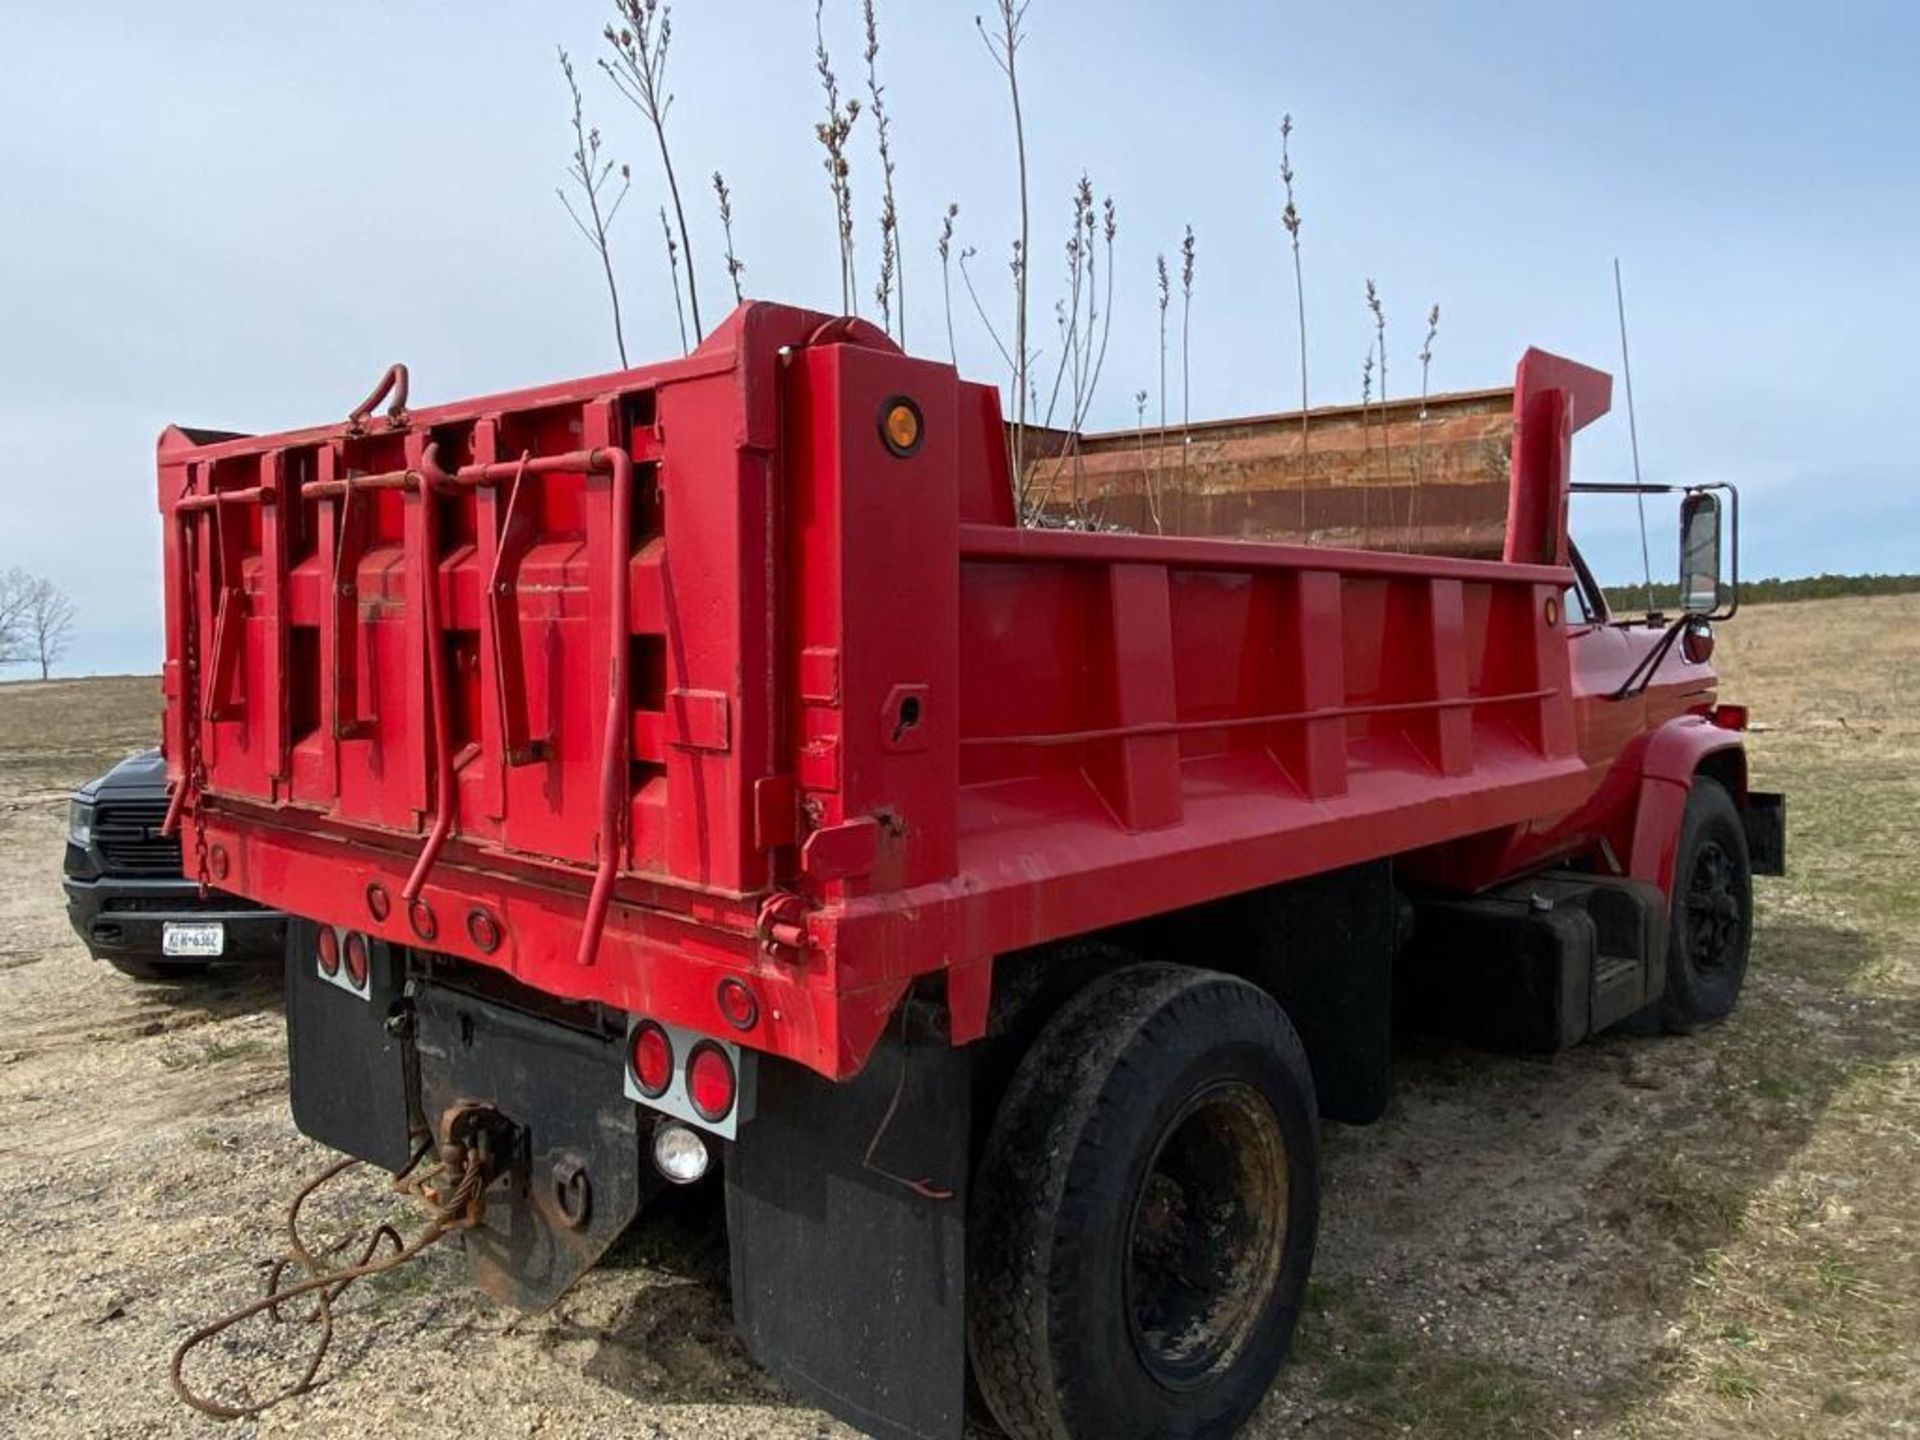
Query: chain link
[196,765]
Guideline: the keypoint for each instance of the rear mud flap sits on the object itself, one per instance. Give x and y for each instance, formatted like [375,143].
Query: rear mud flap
[573,1177]
[1765,821]
[846,1220]
[350,1073]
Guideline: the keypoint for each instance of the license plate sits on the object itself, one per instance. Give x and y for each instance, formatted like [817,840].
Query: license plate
[202,940]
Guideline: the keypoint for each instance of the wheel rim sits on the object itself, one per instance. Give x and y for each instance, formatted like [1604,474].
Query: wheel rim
[1207,1234]
[1716,912]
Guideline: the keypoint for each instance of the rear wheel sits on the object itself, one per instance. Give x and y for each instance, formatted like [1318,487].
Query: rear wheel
[1144,1215]
[1710,931]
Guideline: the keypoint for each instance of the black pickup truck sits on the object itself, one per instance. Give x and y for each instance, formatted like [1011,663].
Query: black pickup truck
[126,893]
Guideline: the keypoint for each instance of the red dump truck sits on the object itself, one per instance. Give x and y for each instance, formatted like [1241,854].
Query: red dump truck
[700,766]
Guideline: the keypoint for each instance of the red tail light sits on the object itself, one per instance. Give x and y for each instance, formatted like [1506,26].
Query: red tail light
[357,960]
[326,949]
[710,1082]
[650,1057]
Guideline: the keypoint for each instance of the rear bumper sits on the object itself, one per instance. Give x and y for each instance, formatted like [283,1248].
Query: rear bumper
[126,917]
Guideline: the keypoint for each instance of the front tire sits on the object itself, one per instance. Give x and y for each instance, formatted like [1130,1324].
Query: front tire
[1144,1214]
[1710,929]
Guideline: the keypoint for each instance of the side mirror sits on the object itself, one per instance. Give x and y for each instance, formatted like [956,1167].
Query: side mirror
[1700,553]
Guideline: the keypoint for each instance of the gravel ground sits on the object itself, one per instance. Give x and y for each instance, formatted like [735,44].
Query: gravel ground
[1520,1248]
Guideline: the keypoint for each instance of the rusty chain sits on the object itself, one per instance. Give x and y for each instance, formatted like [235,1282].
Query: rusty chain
[453,1189]
[195,765]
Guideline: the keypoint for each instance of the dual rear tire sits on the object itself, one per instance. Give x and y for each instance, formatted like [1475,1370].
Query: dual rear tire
[1144,1212]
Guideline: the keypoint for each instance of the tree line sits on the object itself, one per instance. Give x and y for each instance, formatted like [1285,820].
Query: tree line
[1632,599]
[36,621]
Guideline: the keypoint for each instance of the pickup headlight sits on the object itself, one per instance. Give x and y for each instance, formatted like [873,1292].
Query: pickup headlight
[80,822]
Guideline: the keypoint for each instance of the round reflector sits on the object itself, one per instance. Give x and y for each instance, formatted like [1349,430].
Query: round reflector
[900,425]
[1697,643]
[710,1084]
[326,949]
[650,1057]
[680,1153]
[737,1005]
[357,960]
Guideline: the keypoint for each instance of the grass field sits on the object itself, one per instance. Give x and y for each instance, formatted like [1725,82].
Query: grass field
[1710,1236]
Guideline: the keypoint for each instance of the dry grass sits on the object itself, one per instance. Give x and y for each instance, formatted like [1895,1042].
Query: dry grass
[1805,1318]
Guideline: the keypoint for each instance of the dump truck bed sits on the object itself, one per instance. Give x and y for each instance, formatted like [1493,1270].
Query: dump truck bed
[628,685]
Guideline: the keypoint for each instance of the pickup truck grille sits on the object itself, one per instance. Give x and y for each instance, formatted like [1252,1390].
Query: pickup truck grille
[190,902]
[128,834]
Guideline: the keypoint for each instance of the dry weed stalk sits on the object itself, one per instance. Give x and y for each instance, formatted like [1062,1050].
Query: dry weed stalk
[946,276]
[735,267]
[1290,218]
[1160,459]
[1420,446]
[966,278]
[1073,359]
[1366,442]
[1080,262]
[1003,44]
[893,278]
[1083,335]
[833,134]
[639,71]
[1140,429]
[1386,421]
[591,174]
[673,264]
[1186,369]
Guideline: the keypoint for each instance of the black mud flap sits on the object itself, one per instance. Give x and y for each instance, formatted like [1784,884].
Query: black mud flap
[846,1218]
[1765,821]
[573,1176]
[349,1069]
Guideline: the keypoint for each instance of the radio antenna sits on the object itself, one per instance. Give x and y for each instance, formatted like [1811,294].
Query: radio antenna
[1633,432]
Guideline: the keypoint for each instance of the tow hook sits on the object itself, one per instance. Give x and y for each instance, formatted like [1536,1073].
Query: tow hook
[479,1138]
[572,1192]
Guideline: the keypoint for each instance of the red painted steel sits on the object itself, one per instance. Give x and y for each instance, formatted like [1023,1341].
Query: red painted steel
[679,674]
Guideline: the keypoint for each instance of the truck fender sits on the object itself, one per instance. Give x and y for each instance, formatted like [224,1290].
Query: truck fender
[1676,752]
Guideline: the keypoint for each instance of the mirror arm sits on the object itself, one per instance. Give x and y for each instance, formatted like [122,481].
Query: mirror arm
[1642,674]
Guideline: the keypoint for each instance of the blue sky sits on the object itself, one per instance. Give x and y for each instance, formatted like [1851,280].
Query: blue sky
[239,220]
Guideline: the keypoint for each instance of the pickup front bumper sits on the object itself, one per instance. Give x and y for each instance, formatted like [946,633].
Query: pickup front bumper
[124,917]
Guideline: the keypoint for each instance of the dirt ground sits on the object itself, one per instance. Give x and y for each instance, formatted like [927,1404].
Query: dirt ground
[1705,1236]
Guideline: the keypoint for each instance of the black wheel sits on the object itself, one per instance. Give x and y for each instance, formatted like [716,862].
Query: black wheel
[170,972]
[1144,1213]
[1711,927]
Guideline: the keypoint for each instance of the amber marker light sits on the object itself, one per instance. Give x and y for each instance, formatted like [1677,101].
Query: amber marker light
[900,425]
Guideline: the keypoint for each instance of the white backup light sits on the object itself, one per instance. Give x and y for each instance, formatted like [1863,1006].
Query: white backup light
[680,1153]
